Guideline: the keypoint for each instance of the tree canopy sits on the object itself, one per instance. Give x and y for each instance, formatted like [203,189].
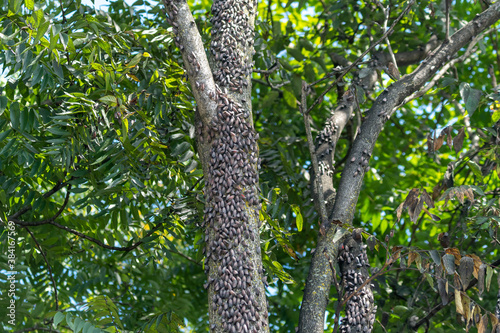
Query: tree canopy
[103,192]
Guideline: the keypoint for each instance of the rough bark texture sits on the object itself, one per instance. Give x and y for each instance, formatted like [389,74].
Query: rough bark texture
[189,41]
[317,288]
[360,308]
[227,144]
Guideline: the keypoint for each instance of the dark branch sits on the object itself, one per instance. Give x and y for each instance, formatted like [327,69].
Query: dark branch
[56,188]
[46,221]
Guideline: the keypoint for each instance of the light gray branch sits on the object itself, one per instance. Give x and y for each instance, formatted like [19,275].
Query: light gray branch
[319,279]
[188,39]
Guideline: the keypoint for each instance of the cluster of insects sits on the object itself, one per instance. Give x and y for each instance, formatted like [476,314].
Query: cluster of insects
[231,193]
[231,190]
[232,36]
[360,309]
[234,279]
[325,138]
[362,162]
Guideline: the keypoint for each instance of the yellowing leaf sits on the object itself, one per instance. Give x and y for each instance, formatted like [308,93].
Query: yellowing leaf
[135,60]
[412,256]
[146,55]
[458,302]
[133,77]
[299,221]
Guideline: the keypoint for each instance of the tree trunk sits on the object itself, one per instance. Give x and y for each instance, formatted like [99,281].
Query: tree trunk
[227,143]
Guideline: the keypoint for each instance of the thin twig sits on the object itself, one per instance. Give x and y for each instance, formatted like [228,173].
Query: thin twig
[23,210]
[46,221]
[440,305]
[48,267]
[443,70]
[387,13]
[268,83]
[385,35]
[314,159]
[101,244]
[268,71]
[185,256]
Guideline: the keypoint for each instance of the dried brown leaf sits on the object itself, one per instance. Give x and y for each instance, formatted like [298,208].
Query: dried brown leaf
[458,302]
[412,256]
[456,254]
[483,324]
[438,143]
[456,281]
[494,319]
[459,193]
[480,278]
[449,139]
[449,263]
[399,211]
[477,263]
[458,141]
[469,193]
[466,308]
[476,314]
[465,270]
[489,275]
[427,199]
[412,197]
[442,291]
[418,209]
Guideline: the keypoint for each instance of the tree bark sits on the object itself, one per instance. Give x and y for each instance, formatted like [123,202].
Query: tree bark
[320,276]
[227,145]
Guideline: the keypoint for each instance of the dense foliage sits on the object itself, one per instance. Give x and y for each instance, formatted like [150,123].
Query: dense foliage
[100,173]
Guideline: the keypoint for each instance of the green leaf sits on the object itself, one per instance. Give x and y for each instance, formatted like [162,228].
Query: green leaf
[109,100]
[476,169]
[296,53]
[58,70]
[181,148]
[42,29]
[290,99]
[58,318]
[495,116]
[15,114]
[30,4]
[299,221]
[470,96]
[135,60]
[3,104]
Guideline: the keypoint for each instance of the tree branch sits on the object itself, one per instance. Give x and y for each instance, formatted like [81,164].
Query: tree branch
[101,244]
[444,69]
[312,151]
[46,221]
[319,278]
[389,100]
[189,41]
[56,188]
[347,70]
